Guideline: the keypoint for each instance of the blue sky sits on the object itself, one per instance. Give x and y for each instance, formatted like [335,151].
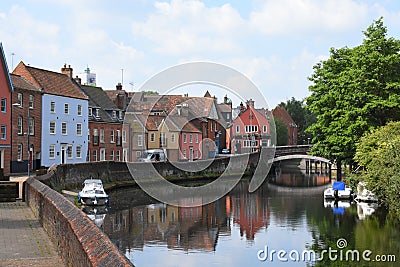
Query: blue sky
[275,43]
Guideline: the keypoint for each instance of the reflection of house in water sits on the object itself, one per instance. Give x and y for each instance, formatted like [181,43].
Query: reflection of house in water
[299,178]
[161,221]
[250,211]
[126,227]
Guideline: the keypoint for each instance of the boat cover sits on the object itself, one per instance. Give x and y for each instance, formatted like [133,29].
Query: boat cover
[338,186]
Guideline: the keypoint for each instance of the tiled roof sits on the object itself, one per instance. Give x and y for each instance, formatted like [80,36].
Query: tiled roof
[151,122]
[51,82]
[225,108]
[281,113]
[22,83]
[99,96]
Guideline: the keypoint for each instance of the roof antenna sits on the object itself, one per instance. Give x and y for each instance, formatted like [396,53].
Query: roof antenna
[122,76]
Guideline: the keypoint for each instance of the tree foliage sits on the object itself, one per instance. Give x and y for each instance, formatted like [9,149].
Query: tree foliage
[282,134]
[379,153]
[353,91]
[302,116]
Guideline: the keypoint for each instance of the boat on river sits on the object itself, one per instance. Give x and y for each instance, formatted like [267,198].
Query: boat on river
[364,195]
[339,190]
[93,193]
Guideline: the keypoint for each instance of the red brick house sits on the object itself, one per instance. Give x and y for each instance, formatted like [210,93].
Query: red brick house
[105,135]
[6,89]
[26,97]
[282,114]
[250,130]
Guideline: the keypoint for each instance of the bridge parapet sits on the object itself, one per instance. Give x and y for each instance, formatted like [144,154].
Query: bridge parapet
[292,150]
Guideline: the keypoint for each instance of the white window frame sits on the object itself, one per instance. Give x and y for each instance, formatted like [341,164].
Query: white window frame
[78,151]
[52,151]
[265,128]
[123,136]
[54,127]
[184,138]
[138,154]
[90,114]
[20,100]
[163,139]
[191,138]
[102,154]
[152,137]
[31,126]
[197,138]
[79,110]
[112,155]
[79,129]
[140,140]
[3,132]
[101,136]
[19,152]
[184,153]
[31,101]
[3,105]
[66,108]
[95,155]
[52,107]
[69,151]
[20,125]
[112,136]
[237,128]
[172,137]
[118,155]
[64,128]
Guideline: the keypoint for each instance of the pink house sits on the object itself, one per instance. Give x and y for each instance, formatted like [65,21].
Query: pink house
[190,142]
[250,129]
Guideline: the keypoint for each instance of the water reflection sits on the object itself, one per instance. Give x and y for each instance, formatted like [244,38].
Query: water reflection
[231,230]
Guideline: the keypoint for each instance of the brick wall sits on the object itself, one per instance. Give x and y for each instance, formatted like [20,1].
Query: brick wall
[78,240]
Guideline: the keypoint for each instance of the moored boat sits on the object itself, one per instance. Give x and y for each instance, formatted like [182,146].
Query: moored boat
[364,195]
[339,190]
[93,193]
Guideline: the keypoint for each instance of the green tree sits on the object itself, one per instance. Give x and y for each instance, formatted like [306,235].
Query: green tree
[379,153]
[150,92]
[302,116]
[353,91]
[282,135]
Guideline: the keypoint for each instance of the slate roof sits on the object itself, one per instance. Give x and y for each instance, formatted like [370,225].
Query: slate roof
[22,83]
[99,96]
[51,82]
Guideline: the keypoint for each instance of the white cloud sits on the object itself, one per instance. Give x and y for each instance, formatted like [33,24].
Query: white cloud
[186,27]
[28,36]
[308,16]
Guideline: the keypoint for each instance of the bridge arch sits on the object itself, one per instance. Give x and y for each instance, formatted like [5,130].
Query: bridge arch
[298,156]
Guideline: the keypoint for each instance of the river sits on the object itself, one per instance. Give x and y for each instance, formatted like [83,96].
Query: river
[284,223]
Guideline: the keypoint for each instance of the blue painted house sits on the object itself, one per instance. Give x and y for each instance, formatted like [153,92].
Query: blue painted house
[64,135]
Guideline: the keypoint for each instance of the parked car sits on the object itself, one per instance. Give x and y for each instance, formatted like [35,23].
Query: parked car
[225,151]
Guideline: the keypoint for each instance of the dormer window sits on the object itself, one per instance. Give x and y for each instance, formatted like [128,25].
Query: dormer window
[97,113]
[120,115]
[114,114]
[90,112]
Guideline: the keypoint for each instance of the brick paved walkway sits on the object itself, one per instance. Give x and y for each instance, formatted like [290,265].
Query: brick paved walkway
[23,241]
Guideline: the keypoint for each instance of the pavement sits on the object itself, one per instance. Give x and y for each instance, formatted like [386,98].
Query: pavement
[23,241]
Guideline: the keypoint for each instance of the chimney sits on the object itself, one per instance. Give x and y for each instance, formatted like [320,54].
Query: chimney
[250,103]
[225,99]
[67,70]
[78,80]
[241,108]
[119,86]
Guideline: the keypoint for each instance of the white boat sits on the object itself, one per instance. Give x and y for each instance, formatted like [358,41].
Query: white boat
[339,190]
[364,195]
[338,206]
[93,193]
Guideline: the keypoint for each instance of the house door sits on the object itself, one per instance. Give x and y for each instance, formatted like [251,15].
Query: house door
[191,153]
[63,154]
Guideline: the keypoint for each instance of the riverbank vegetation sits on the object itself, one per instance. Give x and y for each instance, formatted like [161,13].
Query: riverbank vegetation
[355,95]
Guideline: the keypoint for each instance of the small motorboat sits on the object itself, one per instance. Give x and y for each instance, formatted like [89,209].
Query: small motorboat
[339,190]
[93,193]
[338,206]
[364,195]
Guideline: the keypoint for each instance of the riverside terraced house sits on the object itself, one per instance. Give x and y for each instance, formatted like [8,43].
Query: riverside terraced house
[64,115]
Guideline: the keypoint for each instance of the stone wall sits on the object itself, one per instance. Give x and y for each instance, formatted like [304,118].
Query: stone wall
[78,240]
[70,176]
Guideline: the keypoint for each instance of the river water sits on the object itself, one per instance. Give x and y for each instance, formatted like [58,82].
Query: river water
[288,214]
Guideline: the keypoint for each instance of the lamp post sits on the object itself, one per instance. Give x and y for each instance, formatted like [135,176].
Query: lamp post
[28,133]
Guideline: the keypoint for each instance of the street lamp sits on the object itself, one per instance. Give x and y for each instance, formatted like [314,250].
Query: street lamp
[28,133]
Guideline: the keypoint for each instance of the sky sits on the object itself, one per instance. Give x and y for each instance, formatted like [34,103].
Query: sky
[274,43]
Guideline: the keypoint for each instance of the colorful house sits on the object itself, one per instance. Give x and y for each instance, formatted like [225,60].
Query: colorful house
[6,89]
[64,115]
[250,130]
[26,99]
[105,135]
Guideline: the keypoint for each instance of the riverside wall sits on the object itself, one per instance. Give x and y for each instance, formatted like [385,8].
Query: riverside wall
[78,240]
[71,176]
